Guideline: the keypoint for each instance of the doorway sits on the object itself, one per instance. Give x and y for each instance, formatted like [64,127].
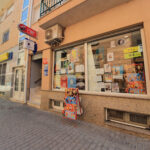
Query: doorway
[18,88]
[35,81]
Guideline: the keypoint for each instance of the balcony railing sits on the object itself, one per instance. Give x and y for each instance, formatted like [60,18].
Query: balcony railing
[49,5]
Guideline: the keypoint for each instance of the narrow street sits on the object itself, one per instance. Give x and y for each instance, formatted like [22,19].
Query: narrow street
[26,128]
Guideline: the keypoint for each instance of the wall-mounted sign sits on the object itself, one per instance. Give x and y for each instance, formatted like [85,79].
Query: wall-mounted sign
[30,45]
[26,30]
[45,61]
[6,56]
[46,70]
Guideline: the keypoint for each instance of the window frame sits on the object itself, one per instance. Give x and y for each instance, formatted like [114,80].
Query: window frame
[26,5]
[124,95]
[3,74]
[33,14]
[4,33]
[10,10]
[24,19]
[127,119]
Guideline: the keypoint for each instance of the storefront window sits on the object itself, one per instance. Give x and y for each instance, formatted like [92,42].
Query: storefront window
[69,68]
[117,65]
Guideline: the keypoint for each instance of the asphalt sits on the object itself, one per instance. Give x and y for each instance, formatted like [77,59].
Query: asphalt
[26,128]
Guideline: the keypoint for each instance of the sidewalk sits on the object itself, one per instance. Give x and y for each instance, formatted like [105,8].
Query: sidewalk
[26,128]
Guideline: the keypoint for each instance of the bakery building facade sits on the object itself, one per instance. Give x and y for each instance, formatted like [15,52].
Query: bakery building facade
[100,48]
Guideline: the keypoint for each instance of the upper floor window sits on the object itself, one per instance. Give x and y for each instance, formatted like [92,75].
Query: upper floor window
[1,18]
[10,9]
[114,64]
[6,36]
[24,15]
[25,3]
[36,14]
[2,73]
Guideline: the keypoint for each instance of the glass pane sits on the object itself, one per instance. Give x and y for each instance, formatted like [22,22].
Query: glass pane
[5,36]
[25,3]
[17,80]
[69,68]
[24,15]
[138,118]
[4,69]
[21,39]
[22,81]
[117,65]
[3,80]
[0,69]
[3,74]
[0,74]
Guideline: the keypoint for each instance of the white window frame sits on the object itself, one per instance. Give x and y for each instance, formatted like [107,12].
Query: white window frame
[1,74]
[124,95]
[4,34]
[10,9]
[59,108]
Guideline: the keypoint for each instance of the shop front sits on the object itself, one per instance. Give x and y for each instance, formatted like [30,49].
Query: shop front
[113,65]
[5,73]
[110,71]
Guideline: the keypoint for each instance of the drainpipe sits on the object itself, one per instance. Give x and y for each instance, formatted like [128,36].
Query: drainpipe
[27,59]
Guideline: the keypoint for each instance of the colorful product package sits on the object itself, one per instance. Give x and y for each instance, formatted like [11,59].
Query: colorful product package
[72,81]
[64,81]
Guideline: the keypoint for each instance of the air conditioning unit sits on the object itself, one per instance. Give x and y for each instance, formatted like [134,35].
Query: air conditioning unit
[54,35]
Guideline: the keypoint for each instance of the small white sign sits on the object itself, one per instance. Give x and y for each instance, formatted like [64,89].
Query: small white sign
[110,57]
[28,44]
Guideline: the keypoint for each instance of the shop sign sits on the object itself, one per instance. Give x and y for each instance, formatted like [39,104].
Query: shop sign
[45,61]
[30,45]
[6,56]
[26,30]
[133,52]
[46,70]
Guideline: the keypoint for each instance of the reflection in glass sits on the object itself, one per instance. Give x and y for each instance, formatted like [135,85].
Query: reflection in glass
[69,69]
[117,65]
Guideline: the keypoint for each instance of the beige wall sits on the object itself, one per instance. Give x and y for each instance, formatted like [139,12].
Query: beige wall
[93,105]
[133,12]
[10,23]
[136,11]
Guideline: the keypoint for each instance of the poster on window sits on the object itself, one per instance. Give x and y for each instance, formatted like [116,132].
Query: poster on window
[71,81]
[107,87]
[115,87]
[107,67]
[64,81]
[110,56]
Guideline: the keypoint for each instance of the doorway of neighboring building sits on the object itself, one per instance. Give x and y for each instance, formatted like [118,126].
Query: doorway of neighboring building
[18,84]
[35,81]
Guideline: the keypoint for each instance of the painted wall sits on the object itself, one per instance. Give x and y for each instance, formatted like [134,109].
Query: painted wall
[136,11]
[115,18]
[10,23]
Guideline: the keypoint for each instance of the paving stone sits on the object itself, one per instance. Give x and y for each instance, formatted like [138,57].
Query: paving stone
[26,128]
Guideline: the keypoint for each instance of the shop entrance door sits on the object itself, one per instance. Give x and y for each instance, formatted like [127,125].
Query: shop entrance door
[18,88]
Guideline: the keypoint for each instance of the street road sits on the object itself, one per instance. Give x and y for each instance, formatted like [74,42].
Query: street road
[26,128]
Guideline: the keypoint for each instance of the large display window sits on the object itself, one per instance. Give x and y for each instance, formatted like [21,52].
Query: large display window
[117,65]
[69,68]
[110,65]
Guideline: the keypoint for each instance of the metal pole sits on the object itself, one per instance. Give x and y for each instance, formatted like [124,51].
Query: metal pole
[26,76]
